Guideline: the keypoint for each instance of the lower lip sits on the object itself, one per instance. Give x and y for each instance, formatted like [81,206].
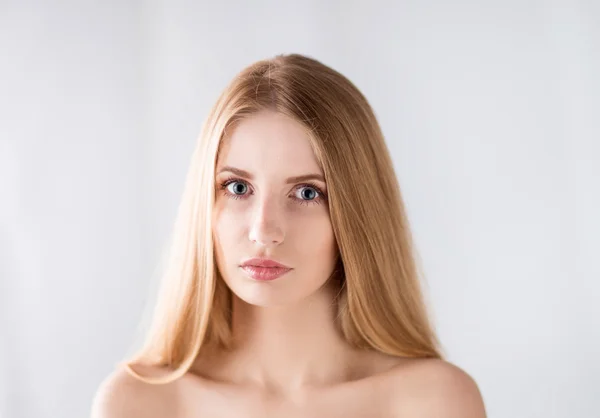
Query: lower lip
[265,273]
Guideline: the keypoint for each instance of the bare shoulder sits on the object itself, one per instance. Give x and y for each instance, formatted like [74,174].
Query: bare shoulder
[435,388]
[123,395]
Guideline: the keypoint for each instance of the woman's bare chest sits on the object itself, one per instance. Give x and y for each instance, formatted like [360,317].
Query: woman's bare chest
[358,401]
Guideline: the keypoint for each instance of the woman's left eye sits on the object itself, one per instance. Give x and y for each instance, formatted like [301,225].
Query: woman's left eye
[307,193]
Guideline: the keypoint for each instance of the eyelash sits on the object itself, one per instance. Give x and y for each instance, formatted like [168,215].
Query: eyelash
[316,201]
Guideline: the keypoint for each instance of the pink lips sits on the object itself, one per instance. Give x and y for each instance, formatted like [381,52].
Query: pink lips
[264,269]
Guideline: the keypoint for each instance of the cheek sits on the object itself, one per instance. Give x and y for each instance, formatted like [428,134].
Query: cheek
[226,227]
[315,243]
[221,232]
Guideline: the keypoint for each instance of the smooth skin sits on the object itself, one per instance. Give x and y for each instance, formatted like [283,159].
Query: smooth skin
[289,359]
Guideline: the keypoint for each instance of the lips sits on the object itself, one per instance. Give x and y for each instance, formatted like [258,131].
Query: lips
[265,273]
[263,262]
[264,269]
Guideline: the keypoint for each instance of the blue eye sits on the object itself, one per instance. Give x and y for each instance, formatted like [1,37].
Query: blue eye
[239,188]
[309,193]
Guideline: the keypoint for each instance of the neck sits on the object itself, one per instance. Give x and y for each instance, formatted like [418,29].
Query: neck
[284,349]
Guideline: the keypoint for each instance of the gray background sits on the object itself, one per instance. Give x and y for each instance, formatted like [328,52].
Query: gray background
[491,111]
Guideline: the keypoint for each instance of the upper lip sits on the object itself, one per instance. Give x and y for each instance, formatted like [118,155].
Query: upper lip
[263,262]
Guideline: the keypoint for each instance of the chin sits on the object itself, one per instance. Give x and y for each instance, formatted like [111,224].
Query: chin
[265,295]
[284,291]
[265,298]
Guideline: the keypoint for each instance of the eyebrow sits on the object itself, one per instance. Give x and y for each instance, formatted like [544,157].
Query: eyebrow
[295,179]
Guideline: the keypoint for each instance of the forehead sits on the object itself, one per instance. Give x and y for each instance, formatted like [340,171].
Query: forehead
[268,141]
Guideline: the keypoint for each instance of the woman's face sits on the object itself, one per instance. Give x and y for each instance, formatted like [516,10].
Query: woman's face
[262,212]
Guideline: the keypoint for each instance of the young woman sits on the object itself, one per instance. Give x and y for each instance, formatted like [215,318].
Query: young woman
[292,288]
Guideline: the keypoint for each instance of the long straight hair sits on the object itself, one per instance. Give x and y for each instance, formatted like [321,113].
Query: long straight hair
[381,304]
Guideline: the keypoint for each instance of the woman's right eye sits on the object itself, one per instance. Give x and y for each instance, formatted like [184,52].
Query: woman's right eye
[235,189]
[238,188]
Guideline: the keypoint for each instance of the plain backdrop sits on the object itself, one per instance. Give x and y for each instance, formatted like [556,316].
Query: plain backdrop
[491,112]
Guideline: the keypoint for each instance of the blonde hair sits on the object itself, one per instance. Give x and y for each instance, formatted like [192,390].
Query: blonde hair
[381,304]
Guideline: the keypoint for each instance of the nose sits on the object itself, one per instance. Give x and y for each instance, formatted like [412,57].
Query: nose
[266,225]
